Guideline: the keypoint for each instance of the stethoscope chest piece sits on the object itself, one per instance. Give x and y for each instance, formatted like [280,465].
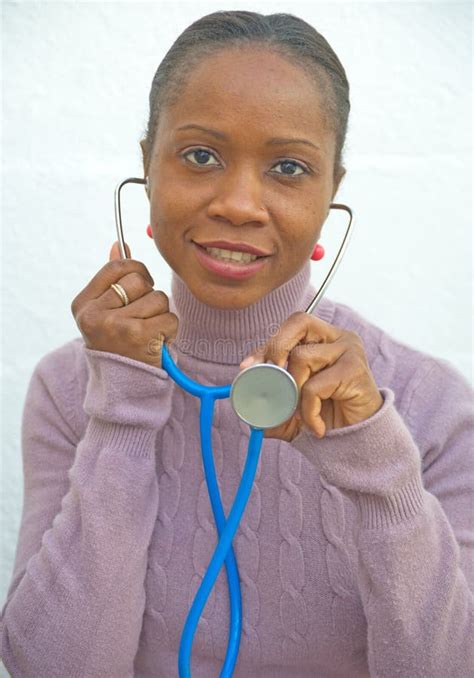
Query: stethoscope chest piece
[264,395]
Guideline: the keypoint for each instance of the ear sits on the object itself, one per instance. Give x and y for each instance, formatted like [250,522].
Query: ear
[144,148]
[337,180]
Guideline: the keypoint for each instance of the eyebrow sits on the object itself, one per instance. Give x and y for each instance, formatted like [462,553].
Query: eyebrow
[274,141]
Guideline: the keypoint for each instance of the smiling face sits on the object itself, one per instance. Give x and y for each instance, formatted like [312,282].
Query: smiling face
[226,167]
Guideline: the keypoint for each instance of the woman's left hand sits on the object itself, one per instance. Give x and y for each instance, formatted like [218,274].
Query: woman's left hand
[329,365]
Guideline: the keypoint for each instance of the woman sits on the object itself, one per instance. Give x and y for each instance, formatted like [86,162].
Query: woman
[354,547]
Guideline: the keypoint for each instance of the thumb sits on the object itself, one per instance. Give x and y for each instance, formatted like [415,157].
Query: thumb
[253,358]
[115,251]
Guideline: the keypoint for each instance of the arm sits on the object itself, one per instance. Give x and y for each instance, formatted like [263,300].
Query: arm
[76,599]
[415,536]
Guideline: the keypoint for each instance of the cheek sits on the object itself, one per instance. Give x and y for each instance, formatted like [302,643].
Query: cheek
[301,233]
[170,214]
[173,203]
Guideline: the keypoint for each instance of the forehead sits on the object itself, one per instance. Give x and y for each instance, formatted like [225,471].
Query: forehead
[247,88]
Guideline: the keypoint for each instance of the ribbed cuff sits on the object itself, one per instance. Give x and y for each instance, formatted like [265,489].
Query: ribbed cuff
[384,511]
[376,458]
[133,441]
[125,391]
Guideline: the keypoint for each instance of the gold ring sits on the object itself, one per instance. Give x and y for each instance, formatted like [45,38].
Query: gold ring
[121,292]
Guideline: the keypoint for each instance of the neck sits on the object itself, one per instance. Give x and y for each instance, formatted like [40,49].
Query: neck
[228,335]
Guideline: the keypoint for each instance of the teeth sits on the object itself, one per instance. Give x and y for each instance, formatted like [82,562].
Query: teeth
[228,255]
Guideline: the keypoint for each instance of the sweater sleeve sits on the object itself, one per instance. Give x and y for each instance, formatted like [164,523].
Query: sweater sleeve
[76,600]
[415,535]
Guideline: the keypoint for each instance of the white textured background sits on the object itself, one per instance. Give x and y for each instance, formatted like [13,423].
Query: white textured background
[76,78]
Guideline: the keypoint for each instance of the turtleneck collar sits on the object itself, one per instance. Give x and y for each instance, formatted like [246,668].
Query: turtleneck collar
[227,336]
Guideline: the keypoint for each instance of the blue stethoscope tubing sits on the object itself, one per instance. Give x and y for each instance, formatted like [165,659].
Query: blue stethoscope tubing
[226,528]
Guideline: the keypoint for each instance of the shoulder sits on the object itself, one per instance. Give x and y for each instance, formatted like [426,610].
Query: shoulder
[63,375]
[394,363]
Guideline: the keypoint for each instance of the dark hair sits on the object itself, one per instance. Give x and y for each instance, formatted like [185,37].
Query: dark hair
[285,34]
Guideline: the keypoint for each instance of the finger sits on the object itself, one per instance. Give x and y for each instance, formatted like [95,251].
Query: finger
[310,409]
[149,305]
[333,382]
[155,348]
[286,431]
[112,272]
[135,286]
[115,251]
[306,359]
[165,324]
[298,328]
[329,383]
[257,356]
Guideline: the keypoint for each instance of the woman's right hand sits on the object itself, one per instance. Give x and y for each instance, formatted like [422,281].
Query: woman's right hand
[136,330]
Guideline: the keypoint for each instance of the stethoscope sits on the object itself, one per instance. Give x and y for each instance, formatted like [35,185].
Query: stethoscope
[263,396]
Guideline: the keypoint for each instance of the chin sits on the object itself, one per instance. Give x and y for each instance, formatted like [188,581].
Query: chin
[229,300]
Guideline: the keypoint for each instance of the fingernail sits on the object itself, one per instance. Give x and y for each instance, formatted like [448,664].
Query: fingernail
[247,362]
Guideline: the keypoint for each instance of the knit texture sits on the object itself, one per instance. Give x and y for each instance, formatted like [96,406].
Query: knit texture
[354,551]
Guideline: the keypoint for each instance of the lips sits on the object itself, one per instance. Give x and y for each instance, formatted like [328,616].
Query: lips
[228,269]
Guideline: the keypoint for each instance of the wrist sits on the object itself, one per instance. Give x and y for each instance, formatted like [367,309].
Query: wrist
[125,391]
[376,456]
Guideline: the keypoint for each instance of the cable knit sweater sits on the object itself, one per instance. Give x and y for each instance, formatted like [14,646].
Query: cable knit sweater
[355,550]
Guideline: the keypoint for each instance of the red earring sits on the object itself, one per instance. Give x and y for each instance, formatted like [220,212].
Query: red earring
[318,253]
[148,230]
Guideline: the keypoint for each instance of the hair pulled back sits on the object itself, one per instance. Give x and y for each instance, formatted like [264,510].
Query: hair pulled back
[285,34]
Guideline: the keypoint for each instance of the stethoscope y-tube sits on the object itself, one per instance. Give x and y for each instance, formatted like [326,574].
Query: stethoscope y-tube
[263,396]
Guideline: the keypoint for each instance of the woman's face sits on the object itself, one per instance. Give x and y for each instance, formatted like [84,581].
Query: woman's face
[228,165]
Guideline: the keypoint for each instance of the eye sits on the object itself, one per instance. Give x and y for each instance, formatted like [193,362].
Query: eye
[289,167]
[202,156]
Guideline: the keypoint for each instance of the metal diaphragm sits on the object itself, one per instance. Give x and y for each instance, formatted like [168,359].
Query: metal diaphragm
[264,395]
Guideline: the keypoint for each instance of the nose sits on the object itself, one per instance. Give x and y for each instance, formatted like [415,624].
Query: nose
[238,198]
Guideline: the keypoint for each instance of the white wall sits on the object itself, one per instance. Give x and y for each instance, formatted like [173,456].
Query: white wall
[75,93]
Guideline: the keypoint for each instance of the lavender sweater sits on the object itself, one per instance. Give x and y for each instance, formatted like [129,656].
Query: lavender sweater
[355,550]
